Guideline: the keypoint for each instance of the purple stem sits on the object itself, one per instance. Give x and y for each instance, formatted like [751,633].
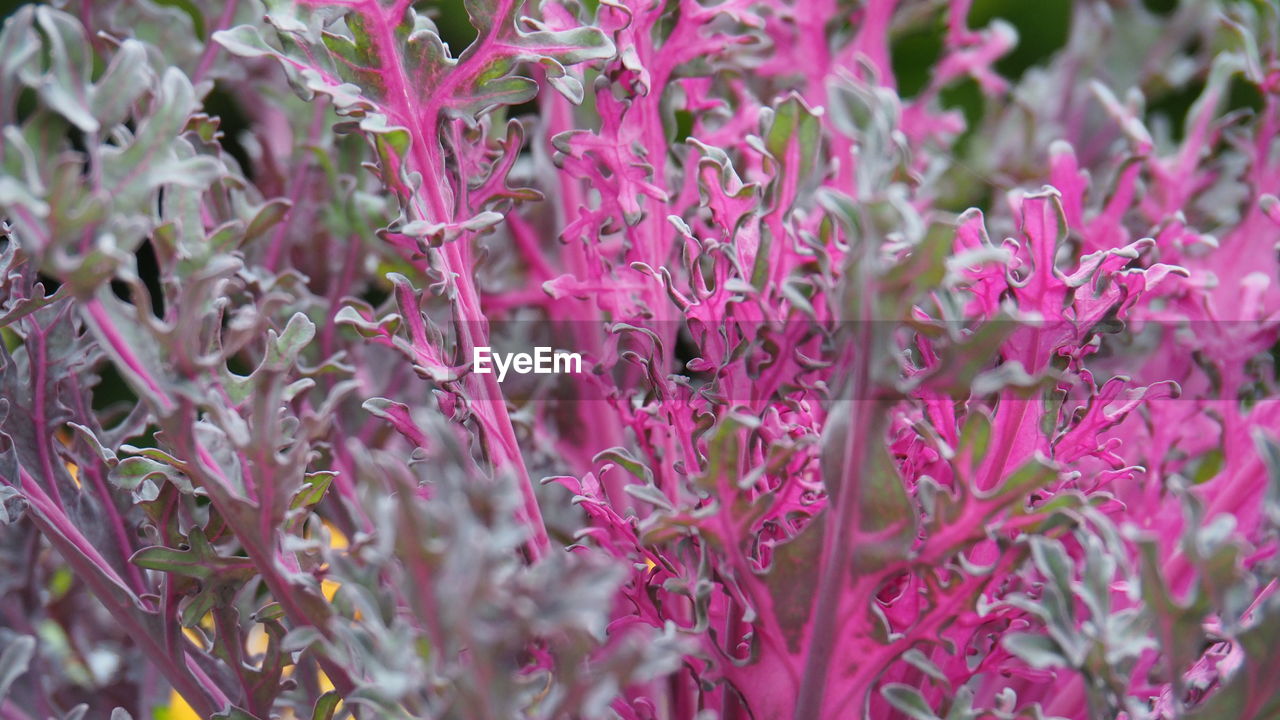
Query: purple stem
[421,119]
[211,48]
[110,590]
[36,347]
[215,483]
[842,519]
[297,185]
[118,529]
[115,342]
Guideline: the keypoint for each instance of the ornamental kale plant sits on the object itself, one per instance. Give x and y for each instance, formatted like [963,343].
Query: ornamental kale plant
[927,359]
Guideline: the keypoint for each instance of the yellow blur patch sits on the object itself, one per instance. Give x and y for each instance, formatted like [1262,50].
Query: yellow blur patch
[329,588]
[337,539]
[195,637]
[178,709]
[65,437]
[257,641]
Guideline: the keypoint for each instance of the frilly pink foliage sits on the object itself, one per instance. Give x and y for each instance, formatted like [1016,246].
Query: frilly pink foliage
[950,398]
[994,457]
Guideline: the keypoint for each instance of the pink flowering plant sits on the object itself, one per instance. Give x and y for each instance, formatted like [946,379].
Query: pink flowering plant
[925,359]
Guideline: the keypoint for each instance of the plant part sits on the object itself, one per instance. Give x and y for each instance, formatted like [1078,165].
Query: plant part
[926,371]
